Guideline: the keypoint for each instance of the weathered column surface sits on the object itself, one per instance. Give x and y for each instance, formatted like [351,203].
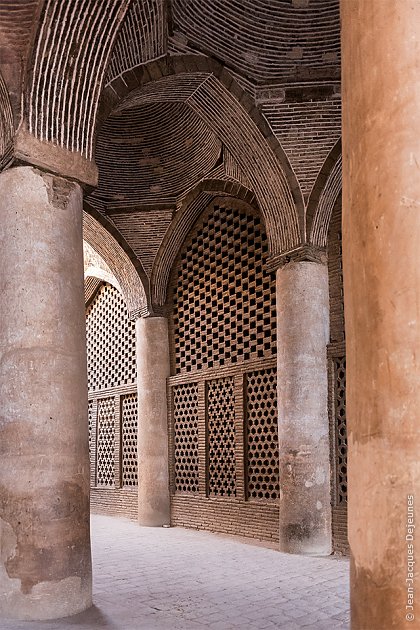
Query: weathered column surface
[45,563]
[302,337]
[381,243]
[152,371]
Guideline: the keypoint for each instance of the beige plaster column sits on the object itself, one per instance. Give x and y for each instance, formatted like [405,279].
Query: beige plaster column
[45,562]
[302,337]
[381,255]
[153,466]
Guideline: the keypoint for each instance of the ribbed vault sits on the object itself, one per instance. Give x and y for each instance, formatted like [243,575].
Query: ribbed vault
[69,59]
[152,152]
[142,37]
[17,21]
[264,40]
[224,115]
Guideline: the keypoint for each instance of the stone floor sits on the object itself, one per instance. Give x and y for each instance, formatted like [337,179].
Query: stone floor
[178,579]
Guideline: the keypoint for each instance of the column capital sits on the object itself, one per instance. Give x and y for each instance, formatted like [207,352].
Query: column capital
[305,252]
[146,313]
[54,159]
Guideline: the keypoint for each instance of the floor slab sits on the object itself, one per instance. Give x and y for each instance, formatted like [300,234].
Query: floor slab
[179,579]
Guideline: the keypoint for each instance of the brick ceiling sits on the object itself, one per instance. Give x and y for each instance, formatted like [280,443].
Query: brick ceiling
[285,54]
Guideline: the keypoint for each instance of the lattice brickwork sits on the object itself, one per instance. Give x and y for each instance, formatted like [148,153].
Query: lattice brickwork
[185,419]
[262,435]
[129,440]
[105,471]
[90,423]
[224,301]
[340,428]
[221,437]
[110,338]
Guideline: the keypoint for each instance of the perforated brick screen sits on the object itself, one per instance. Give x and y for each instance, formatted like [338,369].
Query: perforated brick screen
[105,471]
[129,439]
[340,428]
[223,400]
[110,337]
[224,302]
[262,435]
[221,437]
[185,415]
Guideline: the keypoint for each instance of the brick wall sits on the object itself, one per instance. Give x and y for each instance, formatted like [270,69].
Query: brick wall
[114,502]
[227,516]
[307,129]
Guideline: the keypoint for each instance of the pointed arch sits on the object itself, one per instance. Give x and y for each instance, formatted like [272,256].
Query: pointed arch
[232,115]
[323,198]
[123,264]
[194,204]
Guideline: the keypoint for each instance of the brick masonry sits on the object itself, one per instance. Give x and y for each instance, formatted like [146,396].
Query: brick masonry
[336,349]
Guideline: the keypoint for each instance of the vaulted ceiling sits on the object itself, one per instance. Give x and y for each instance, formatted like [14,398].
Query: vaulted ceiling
[66,65]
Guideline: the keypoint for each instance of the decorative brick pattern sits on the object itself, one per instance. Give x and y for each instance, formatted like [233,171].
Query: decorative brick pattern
[340,428]
[110,339]
[112,406]
[90,423]
[127,274]
[145,232]
[65,88]
[262,435]
[335,268]
[223,384]
[105,463]
[224,308]
[263,40]
[210,93]
[307,131]
[160,149]
[326,193]
[92,284]
[142,37]
[185,414]
[221,437]
[129,440]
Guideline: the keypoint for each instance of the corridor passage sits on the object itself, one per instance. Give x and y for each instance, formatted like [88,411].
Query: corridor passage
[178,579]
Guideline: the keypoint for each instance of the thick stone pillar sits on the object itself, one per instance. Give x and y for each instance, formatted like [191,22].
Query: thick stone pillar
[381,256]
[45,563]
[152,372]
[302,337]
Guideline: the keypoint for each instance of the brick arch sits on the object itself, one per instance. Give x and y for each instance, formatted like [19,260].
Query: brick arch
[123,263]
[6,125]
[71,51]
[94,277]
[323,198]
[194,204]
[232,115]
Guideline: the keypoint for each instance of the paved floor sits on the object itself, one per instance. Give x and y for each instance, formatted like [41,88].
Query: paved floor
[178,579]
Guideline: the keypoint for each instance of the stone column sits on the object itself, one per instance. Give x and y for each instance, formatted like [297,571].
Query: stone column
[45,563]
[302,337]
[381,256]
[152,372]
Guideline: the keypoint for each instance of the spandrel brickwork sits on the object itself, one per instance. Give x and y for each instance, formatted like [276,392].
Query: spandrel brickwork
[112,403]
[222,392]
